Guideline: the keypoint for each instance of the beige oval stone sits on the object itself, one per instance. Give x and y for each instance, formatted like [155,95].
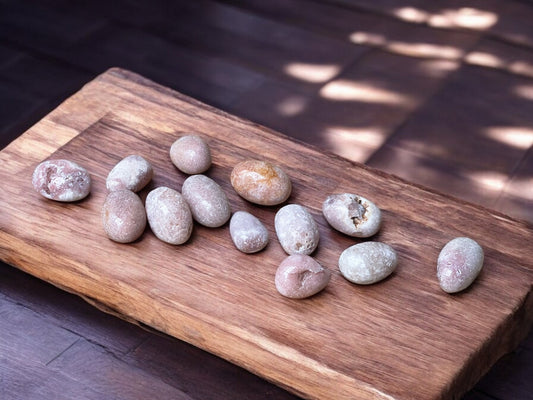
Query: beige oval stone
[169,215]
[300,276]
[208,203]
[296,229]
[248,233]
[191,154]
[352,214]
[261,182]
[61,180]
[123,216]
[368,262]
[459,263]
[132,172]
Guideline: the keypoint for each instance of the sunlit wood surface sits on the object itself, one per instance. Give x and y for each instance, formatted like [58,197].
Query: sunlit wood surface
[437,93]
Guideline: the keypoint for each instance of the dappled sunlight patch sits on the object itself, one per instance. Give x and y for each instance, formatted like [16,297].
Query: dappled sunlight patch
[421,49]
[368,38]
[514,136]
[348,90]
[490,180]
[438,68]
[465,17]
[524,91]
[407,48]
[292,105]
[522,68]
[356,144]
[484,59]
[313,73]
[412,14]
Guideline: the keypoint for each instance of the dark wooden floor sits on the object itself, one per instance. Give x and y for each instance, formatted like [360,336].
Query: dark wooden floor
[440,93]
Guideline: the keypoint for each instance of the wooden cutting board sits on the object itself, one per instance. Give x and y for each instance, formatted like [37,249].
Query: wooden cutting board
[403,338]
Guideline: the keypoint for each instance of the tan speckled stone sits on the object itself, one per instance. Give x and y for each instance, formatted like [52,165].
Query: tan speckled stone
[261,182]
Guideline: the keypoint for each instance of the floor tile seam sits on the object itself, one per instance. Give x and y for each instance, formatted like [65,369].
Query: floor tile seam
[519,163]
[47,56]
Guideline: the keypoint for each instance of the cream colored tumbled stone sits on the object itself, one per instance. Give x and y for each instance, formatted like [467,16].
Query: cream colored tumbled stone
[459,263]
[248,233]
[191,154]
[132,172]
[61,180]
[368,262]
[352,214]
[208,203]
[296,229]
[261,182]
[169,215]
[300,276]
[123,216]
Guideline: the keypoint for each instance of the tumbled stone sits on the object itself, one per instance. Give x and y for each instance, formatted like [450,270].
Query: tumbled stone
[132,172]
[248,233]
[191,154]
[61,180]
[296,229]
[368,262]
[208,203]
[459,263]
[352,214]
[300,276]
[169,215]
[123,216]
[261,182]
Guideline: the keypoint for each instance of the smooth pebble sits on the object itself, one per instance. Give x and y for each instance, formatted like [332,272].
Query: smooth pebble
[296,229]
[352,214]
[123,216]
[61,180]
[300,276]
[368,262]
[132,172]
[191,154]
[459,263]
[261,182]
[208,203]
[169,215]
[248,233]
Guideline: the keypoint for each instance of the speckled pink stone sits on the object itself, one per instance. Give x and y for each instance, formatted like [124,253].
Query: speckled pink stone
[123,216]
[61,180]
[300,276]
[191,154]
[208,203]
[169,215]
[459,263]
[132,172]
[248,233]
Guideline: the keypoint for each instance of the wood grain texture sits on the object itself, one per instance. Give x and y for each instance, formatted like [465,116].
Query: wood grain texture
[402,338]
